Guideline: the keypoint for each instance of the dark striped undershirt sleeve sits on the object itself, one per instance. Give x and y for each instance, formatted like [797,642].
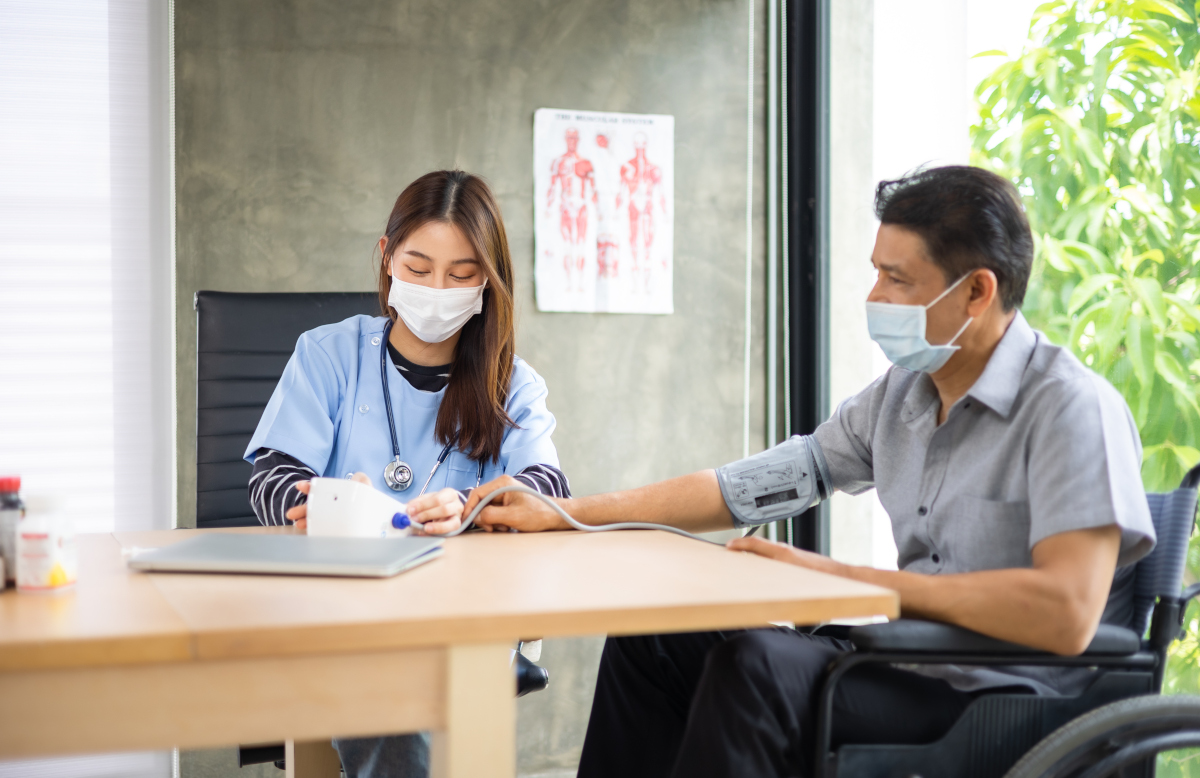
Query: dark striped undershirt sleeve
[272,483]
[275,474]
[546,479]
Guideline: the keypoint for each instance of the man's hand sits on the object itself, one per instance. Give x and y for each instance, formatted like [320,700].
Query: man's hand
[786,553]
[513,510]
[691,502]
[298,514]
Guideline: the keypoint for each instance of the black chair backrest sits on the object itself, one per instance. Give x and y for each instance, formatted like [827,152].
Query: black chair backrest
[1160,573]
[243,342]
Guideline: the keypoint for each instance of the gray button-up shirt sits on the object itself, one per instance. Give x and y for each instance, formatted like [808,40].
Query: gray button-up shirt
[1039,445]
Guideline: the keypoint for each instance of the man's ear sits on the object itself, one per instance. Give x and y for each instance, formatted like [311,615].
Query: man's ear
[984,288]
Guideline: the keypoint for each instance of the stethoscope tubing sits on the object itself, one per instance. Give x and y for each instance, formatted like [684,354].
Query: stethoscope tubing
[387,404]
[441,458]
[387,394]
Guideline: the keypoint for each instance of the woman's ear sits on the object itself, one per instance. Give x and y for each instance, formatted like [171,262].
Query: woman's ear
[387,265]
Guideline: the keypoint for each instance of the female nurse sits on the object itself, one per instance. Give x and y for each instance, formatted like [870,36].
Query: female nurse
[425,402]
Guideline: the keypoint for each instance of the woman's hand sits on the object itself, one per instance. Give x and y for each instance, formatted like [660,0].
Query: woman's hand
[298,514]
[437,513]
[786,553]
[513,510]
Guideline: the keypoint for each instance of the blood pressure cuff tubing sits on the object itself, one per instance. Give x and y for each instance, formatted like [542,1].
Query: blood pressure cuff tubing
[782,481]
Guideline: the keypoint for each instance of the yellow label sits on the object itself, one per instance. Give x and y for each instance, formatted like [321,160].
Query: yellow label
[58,576]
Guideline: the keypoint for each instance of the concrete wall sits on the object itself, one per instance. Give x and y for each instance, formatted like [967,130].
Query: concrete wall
[298,123]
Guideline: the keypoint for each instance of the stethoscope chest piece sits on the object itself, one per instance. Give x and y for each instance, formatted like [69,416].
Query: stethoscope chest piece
[398,476]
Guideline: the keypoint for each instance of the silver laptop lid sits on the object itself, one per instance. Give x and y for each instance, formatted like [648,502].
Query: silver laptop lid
[290,555]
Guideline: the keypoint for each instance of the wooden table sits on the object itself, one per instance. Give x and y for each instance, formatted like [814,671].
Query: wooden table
[132,661]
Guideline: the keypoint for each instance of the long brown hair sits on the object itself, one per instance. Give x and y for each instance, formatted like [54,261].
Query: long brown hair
[472,415]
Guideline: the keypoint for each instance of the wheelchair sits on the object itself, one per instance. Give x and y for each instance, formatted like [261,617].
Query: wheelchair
[1116,727]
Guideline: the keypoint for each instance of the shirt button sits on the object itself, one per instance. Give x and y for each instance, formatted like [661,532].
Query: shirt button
[364,408]
[937,560]
[349,475]
[375,341]
[922,510]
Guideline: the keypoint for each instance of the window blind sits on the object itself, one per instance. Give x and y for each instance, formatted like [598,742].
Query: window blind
[86,279]
[56,351]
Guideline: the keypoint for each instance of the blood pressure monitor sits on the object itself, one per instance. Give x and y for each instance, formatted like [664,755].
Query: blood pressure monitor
[782,481]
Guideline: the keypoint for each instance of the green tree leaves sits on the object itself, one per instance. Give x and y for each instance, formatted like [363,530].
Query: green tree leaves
[1097,122]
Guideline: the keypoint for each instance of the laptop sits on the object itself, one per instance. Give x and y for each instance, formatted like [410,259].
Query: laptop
[290,555]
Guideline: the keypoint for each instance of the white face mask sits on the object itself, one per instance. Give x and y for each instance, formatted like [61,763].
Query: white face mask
[900,332]
[435,314]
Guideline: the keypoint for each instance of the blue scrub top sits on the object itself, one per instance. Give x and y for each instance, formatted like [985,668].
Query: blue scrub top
[328,412]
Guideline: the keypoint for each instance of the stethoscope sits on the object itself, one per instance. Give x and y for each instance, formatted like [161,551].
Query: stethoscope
[398,475]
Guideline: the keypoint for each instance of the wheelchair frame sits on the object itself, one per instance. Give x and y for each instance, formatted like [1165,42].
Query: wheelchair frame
[1165,628]
[946,644]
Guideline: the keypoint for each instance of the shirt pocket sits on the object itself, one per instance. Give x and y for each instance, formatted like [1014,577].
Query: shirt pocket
[984,534]
[463,471]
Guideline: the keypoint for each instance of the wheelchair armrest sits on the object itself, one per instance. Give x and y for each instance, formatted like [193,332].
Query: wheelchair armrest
[929,637]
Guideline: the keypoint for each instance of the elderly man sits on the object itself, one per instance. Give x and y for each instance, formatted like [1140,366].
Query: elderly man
[1009,470]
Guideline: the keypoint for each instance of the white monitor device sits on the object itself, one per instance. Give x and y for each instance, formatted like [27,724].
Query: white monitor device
[339,507]
[218,552]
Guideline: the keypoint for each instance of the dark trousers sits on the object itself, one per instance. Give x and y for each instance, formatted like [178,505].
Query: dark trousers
[391,756]
[743,704]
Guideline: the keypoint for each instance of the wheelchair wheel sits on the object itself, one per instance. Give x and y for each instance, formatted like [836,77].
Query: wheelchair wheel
[1102,742]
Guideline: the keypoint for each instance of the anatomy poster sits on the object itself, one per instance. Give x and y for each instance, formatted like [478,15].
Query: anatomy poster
[604,201]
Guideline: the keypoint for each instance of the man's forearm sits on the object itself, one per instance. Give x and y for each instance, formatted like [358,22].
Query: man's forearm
[1021,605]
[1054,605]
[691,502]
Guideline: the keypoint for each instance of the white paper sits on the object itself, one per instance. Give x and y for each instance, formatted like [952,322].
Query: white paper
[604,205]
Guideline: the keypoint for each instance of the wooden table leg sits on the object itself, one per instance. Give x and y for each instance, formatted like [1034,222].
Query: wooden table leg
[479,740]
[311,759]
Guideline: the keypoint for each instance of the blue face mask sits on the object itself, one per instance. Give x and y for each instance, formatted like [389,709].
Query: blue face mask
[900,332]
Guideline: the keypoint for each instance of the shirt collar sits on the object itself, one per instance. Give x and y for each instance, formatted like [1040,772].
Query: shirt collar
[1000,381]
[922,396]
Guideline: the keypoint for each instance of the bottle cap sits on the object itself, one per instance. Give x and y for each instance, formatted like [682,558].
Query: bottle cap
[10,483]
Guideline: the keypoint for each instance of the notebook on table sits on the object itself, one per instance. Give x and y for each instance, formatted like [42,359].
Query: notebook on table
[290,555]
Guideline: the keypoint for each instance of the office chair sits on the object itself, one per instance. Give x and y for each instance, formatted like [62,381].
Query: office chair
[1115,727]
[243,343]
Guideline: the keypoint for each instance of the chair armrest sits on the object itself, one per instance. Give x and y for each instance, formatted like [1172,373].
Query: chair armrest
[914,636]
[530,677]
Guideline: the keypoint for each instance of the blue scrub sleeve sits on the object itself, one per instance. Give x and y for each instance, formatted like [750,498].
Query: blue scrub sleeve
[529,442]
[299,419]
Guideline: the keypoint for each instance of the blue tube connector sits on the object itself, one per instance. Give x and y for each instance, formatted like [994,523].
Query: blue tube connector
[401,520]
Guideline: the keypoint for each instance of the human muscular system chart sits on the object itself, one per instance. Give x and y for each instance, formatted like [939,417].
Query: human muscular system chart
[572,184]
[603,218]
[641,184]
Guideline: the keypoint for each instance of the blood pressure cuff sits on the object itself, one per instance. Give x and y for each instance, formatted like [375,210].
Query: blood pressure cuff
[782,481]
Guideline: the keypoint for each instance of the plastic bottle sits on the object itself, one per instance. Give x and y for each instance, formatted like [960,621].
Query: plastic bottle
[46,556]
[12,510]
